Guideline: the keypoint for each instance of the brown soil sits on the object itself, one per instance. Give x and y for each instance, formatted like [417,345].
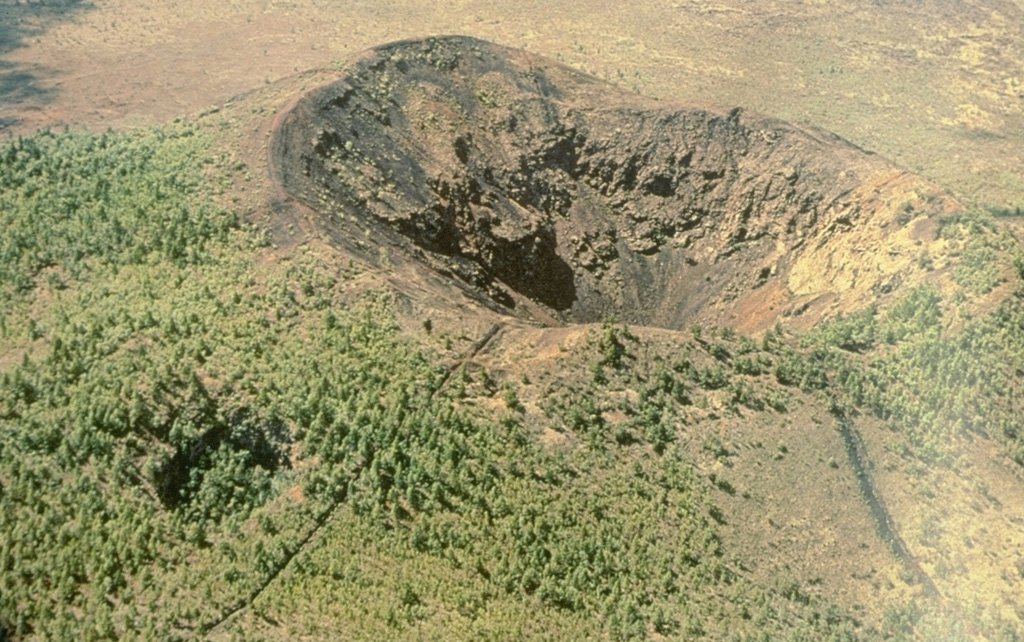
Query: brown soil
[935,86]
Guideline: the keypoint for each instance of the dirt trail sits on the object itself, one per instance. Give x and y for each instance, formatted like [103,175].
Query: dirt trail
[245,602]
[887,530]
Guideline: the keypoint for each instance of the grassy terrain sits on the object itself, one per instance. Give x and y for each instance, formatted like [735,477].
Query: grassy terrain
[202,438]
[182,421]
[179,422]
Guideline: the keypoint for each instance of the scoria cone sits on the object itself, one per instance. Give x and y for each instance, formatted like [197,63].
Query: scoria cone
[526,179]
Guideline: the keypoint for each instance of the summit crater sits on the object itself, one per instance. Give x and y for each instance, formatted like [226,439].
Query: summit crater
[553,195]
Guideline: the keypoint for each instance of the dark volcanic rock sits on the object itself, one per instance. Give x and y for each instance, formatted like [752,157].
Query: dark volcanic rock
[524,178]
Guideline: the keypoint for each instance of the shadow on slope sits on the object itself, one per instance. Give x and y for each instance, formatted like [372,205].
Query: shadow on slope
[24,83]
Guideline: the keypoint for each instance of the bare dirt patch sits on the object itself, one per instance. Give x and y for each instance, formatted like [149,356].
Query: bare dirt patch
[935,86]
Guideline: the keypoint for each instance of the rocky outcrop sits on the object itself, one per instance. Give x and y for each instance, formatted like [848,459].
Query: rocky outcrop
[523,178]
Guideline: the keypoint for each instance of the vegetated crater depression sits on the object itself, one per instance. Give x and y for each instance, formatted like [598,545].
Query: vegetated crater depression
[532,183]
